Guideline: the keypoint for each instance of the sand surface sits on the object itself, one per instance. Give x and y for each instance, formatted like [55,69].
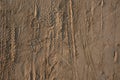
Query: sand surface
[59,39]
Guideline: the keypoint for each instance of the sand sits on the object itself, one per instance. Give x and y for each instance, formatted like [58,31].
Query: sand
[59,39]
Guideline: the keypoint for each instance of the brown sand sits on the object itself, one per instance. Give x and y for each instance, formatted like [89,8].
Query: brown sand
[59,39]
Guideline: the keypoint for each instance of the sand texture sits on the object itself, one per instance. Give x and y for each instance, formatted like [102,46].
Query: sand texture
[59,39]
